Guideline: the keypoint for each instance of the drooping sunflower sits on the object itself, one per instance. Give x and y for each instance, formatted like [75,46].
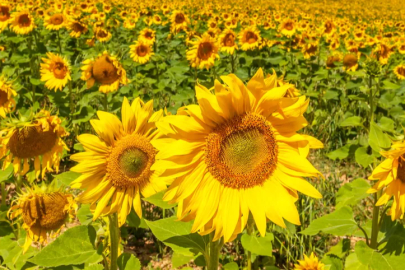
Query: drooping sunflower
[391,175]
[179,21]
[350,62]
[105,70]
[203,52]
[383,51]
[7,94]
[43,210]
[148,36]
[287,28]
[240,149]
[55,22]
[22,22]
[227,39]
[116,167]
[77,28]
[4,16]
[400,72]
[38,141]
[141,51]
[310,49]
[309,263]
[55,71]
[249,38]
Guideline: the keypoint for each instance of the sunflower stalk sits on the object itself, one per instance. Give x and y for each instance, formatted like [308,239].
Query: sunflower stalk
[375,223]
[214,249]
[3,194]
[250,231]
[114,240]
[29,43]
[59,43]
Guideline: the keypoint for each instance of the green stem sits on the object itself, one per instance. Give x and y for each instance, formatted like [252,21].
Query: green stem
[59,44]
[250,231]
[31,67]
[214,248]
[3,194]
[114,240]
[71,104]
[106,102]
[375,224]
[232,63]
[18,183]
[371,101]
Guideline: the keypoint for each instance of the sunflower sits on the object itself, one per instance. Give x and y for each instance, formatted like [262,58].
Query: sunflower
[7,94]
[310,49]
[401,47]
[203,52]
[179,21]
[77,28]
[116,167]
[148,36]
[39,140]
[249,38]
[238,147]
[227,41]
[391,175]
[141,51]
[43,210]
[4,16]
[350,62]
[383,51]
[22,22]
[55,72]
[55,22]
[287,27]
[105,70]
[102,34]
[130,23]
[400,72]
[309,263]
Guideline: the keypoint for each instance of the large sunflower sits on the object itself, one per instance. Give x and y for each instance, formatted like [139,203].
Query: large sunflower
[203,52]
[7,94]
[148,36]
[22,22]
[116,167]
[391,175]
[42,210]
[141,51]
[249,38]
[55,72]
[228,41]
[77,28]
[105,70]
[287,27]
[55,21]
[4,16]
[38,141]
[240,149]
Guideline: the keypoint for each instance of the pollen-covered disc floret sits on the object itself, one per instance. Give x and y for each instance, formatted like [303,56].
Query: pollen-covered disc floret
[130,161]
[242,153]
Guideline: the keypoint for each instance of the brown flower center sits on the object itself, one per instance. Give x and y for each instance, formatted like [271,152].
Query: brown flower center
[104,71]
[148,35]
[45,211]
[60,70]
[251,37]
[78,27]
[242,153]
[31,141]
[57,19]
[349,60]
[229,40]
[101,33]
[205,50]
[401,169]
[3,98]
[4,13]
[142,50]
[401,71]
[24,20]
[179,19]
[289,26]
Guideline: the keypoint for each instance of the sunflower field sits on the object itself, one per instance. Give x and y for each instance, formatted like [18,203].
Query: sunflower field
[202,134]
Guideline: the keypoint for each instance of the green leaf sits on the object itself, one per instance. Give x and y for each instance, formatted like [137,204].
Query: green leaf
[372,259]
[94,267]
[362,157]
[378,140]
[339,223]
[387,124]
[66,178]
[353,121]
[340,153]
[180,259]
[35,81]
[330,94]
[258,245]
[341,249]
[74,246]
[353,263]
[332,262]
[7,173]
[84,214]
[176,234]
[352,193]
[128,262]
[157,199]
[231,266]
[390,86]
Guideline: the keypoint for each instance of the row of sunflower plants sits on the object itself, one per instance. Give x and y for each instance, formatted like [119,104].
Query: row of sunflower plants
[129,126]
